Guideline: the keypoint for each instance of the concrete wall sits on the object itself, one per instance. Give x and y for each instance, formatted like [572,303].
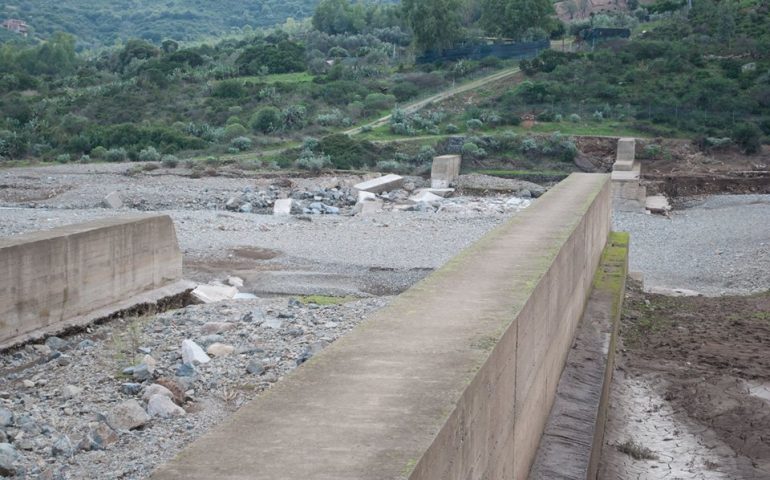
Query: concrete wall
[49,277]
[453,380]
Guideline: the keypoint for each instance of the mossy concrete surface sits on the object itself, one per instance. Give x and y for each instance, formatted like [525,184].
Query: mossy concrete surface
[454,379]
[572,442]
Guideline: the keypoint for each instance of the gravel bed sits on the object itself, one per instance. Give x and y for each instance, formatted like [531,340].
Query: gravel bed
[63,397]
[714,246]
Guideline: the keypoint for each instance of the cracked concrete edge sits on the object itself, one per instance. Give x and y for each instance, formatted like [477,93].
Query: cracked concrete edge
[571,445]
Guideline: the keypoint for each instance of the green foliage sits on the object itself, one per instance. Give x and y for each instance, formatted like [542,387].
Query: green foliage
[169,161]
[436,23]
[116,155]
[339,16]
[512,18]
[229,89]
[311,161]
[346,152]
[282,57]
[235,130]
[266,120]
[747,136]
[241,143]
[149,154]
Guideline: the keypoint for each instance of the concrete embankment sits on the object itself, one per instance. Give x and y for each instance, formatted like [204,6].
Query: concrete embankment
[455,379]
[71,275]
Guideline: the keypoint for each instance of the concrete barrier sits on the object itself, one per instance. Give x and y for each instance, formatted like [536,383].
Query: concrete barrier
[455,379]
[56,278]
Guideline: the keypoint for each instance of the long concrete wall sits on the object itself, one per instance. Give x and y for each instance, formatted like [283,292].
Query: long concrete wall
[454,380]
[50,277]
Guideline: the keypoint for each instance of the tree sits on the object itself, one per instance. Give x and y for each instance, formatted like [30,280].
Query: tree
[511,18]
[336,17]
[436,23]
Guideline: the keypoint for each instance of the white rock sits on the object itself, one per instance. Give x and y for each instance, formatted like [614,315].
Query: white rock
[162,406]
[282,206]
[234,282]
[192,352]
[71,391]
[28,383]
[366,197]
[156,389]
[213,293]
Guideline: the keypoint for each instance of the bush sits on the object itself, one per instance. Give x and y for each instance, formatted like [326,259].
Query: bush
[85,158]
[346,152]
[99,152]
[169,161]
[405,91]
[652,150]
[451,128]
[149,154]
[234,130]
[390,166]
[474,124]
[748,137]
[63,158]
[116,155]
[375,102]
[266,120]
[312,162]
[574,118]
[472,150]
[241,144]
[229,89]
[294,117]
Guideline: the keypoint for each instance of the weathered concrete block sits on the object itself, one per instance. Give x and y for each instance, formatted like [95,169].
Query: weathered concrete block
[49,278]
[425,196]
[657,204]
[626,150]
[112,200]
[385,183]
[282,206]
[445,170]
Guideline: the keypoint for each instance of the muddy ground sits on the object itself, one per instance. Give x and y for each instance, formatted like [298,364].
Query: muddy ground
[691,392]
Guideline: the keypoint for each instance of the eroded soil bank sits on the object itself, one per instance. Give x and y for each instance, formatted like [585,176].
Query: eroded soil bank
[691,391]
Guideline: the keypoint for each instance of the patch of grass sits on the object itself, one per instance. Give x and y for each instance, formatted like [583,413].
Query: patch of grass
[325,299]
[636,451]
[294,77]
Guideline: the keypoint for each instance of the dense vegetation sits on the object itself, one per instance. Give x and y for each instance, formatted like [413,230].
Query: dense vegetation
[96,23]
[705,72]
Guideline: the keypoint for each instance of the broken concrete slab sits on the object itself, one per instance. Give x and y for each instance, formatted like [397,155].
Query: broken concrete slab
[425,196]
[213,293]
[282,206]
[385,183]
[112,200]
[368,208]
[657,204]
[445,170]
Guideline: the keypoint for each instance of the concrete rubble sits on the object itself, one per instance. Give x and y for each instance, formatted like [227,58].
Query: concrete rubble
[380,184]
[112,200]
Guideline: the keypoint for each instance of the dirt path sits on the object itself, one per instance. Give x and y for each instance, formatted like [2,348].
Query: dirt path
[415,106]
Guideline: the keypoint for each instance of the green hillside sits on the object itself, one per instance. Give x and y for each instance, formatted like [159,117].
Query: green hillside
[98,23]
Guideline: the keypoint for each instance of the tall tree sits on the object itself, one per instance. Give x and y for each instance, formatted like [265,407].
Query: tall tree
[511,18]
[436,23]
[339,16]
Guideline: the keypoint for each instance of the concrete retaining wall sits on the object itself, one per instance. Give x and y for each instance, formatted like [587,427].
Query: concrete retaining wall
[455,379]
[50,277]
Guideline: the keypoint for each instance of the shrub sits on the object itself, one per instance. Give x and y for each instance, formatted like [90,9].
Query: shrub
[346,152]
[149,154]
[748,136]
[294,117]
[472,150]
[451,128]
[404,91]
[598,116]
[574,118]
[652,150]
[85,158]
[390,166]
[375,102]
[116,155]
[169,161]
[229,89]
[63,158]
[266,120]
[474,124]
[425,154]
[241,144]
[529,145]
[310,161]
[331,119]
[99,152]
[234,130]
